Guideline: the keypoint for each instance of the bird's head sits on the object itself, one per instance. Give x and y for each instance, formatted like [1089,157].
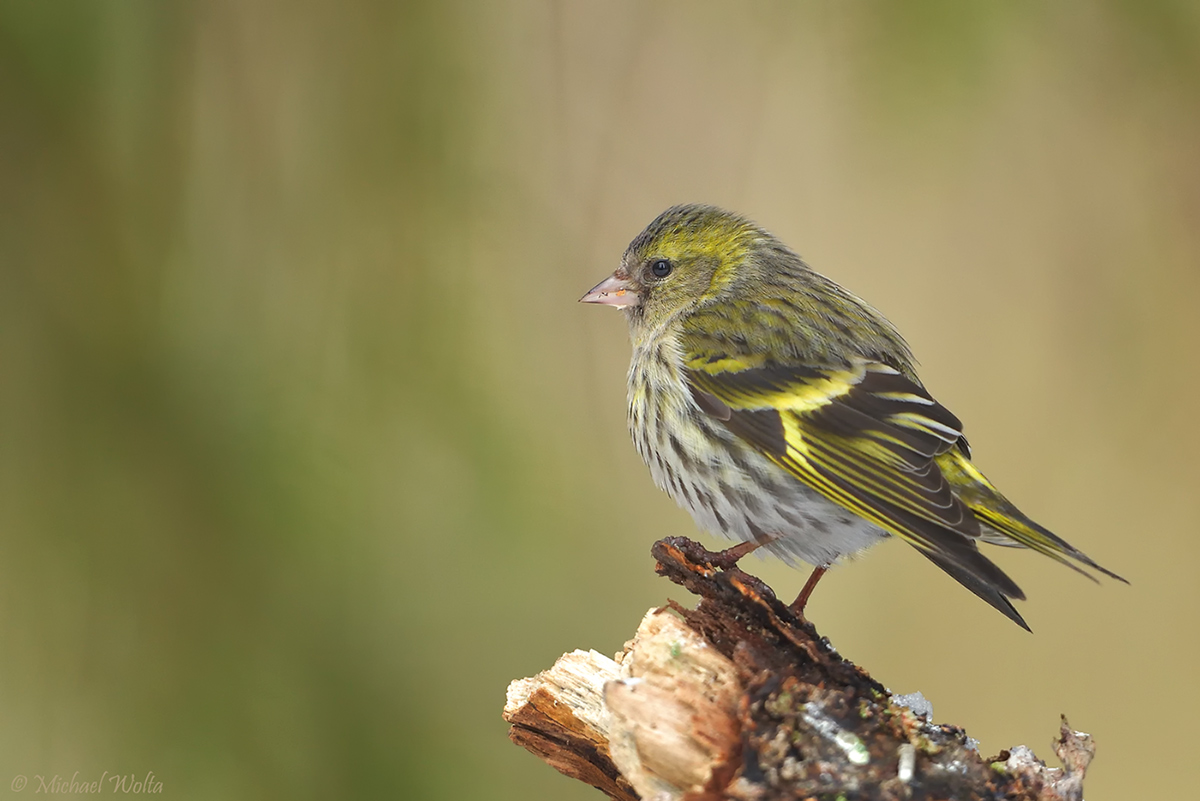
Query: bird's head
[688,256]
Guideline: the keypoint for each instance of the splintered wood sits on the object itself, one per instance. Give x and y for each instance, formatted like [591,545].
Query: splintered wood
[673,714]
[738,699]
[559,715]
[654,723]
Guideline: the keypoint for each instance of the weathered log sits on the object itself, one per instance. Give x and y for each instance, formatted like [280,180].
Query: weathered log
[741,699]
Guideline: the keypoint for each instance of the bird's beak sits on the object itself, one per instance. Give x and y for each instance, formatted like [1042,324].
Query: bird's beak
[616,290]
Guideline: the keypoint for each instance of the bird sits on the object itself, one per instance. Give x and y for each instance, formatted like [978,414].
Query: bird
[783,412]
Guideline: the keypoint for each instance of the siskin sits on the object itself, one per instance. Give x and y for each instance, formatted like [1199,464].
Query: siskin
[782,411]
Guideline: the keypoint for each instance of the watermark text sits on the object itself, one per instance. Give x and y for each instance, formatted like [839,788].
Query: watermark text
[126,783]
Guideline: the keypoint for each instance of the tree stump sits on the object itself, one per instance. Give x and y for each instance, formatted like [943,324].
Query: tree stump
[740,699]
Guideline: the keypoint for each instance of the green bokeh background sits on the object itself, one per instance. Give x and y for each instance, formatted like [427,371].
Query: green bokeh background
[306,449]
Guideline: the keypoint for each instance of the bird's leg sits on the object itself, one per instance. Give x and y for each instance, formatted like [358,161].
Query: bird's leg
[729,557]
[797,606]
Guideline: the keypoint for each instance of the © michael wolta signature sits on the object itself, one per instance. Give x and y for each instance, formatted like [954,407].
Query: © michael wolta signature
[107,783]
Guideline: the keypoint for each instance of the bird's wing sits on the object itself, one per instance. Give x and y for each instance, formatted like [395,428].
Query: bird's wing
[866,437]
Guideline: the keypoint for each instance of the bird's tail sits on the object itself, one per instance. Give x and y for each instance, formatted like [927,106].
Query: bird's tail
[1002,523]
[985,590]
[1011,525]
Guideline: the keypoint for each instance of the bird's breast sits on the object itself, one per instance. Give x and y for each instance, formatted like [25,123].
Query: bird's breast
[729,487]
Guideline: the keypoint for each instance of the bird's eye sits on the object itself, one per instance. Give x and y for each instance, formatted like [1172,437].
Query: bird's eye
[661,268]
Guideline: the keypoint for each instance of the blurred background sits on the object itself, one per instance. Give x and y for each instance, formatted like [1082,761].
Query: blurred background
[307,449]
